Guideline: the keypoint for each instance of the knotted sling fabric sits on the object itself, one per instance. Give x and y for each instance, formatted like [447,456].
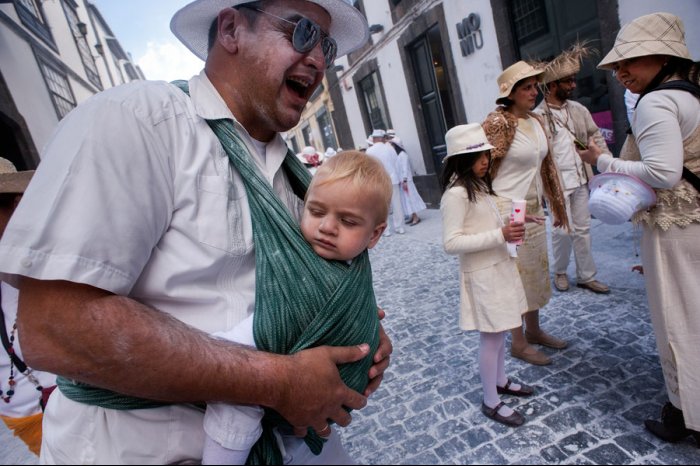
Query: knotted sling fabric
[301,299]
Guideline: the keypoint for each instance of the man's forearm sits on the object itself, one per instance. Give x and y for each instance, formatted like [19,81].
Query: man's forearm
[116,343]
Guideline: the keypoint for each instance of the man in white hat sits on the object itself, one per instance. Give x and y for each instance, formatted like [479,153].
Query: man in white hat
[386,154]
[569,123]
[134,242]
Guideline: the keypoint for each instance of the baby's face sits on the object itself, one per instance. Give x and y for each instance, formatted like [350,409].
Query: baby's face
[340,221]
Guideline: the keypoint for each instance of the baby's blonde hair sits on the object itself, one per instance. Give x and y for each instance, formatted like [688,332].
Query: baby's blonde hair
[363,172]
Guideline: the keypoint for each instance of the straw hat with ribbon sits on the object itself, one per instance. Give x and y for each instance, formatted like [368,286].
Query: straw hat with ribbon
[512,75]
[465,140]
[12,181]
[654,34]
[566,64]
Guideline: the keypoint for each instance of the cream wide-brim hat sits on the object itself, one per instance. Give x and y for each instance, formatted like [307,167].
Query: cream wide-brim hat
[465,140]
[12,181]
[191,24]
[512,75]
[654,34]
[616,197]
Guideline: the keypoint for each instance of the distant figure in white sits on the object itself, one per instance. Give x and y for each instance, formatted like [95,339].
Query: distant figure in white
[411,202]
[386,154]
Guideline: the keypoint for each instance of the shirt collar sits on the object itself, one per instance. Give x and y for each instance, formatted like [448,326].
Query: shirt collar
[207,101]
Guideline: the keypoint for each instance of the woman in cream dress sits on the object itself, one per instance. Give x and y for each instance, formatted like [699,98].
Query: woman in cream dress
[650,58]
[523,168]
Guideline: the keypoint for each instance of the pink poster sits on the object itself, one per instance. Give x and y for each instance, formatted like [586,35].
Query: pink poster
[604,121]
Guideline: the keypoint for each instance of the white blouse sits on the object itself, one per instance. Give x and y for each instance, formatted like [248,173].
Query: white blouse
[662,121]
[522,162]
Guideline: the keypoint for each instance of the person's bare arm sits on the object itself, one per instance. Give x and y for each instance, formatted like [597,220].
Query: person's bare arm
[114,342]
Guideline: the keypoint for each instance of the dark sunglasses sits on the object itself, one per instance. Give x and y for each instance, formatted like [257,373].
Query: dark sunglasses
[306,35]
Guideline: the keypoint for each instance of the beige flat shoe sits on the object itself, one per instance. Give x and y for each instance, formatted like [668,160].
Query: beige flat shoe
[545,339]
[595,286]
[561,282]
[531,355]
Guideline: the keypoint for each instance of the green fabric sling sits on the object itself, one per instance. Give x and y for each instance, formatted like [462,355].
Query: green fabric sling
[301,299]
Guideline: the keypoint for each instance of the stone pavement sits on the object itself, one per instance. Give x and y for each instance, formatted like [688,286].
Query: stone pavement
[590,403]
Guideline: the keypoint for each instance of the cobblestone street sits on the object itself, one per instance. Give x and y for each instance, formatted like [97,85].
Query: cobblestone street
[590,403]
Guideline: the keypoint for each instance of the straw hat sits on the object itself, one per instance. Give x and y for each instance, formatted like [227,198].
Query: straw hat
[466,139]
[12,181]
[654,34]
[191,24]
[398,142]
[616,197]
[511,75]
[566,64]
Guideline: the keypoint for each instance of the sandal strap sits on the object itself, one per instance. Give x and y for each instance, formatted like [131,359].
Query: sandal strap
[494,410]
[507,385]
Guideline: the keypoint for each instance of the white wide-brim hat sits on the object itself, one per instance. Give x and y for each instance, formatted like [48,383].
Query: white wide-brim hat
[191,24]
[465,140]
[514,74]
[12,181]
[654,34]
[616,197]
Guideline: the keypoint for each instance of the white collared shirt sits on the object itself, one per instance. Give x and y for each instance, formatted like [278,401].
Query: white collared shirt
[135,195]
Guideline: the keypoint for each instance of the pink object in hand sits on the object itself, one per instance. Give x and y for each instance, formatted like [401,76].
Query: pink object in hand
[517,214]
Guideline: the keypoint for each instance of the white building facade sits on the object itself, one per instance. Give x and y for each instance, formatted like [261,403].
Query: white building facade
[53,56]
[433,64]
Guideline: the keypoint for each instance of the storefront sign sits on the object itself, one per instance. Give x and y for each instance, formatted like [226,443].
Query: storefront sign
[469,32]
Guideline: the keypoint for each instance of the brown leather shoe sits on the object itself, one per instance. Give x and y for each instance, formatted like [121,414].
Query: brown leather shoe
[531,355]
[525,390]
[545,339]
[561,282]
[595,286]
[514,420]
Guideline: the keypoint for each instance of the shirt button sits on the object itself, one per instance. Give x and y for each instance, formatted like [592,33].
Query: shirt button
[26,262]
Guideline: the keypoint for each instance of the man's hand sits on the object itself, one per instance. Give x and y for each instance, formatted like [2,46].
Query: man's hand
[312,394]
[591,154]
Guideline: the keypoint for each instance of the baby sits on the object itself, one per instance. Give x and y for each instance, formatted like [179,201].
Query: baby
[345,213]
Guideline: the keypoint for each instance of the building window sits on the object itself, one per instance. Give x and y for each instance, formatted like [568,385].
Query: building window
[326,126]
[32,7]
[374,102]
[530,19]
[293,144]
[308,138]
[59,89]
[32,16]
[83,46]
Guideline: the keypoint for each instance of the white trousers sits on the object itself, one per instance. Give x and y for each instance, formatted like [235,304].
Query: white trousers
[74,433]
[579,237]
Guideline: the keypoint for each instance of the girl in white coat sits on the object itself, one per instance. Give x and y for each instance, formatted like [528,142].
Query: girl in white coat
[491,293]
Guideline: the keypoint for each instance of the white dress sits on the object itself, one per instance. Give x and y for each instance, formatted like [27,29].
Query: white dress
[492,298]
[411,201]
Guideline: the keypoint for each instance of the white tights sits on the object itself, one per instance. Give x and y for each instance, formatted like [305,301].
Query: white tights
[492,350]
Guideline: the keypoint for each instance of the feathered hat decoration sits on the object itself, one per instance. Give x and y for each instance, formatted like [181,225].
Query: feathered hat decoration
[567,63]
